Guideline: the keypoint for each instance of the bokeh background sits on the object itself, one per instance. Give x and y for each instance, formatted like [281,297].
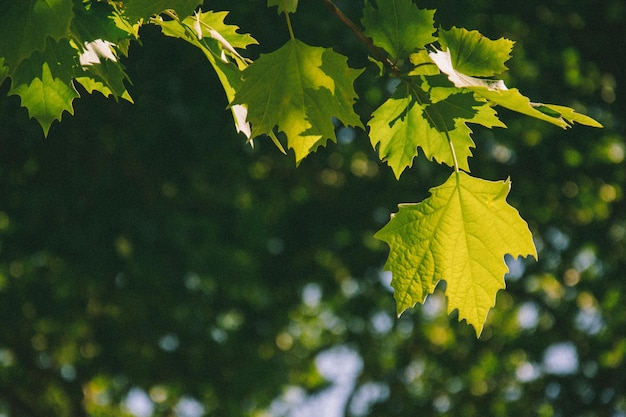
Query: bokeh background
[153,264]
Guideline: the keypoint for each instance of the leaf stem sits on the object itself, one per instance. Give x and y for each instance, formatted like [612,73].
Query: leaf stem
[377,52]
[456,162]
[291,35]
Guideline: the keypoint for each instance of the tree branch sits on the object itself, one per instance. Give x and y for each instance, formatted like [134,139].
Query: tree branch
[376,51]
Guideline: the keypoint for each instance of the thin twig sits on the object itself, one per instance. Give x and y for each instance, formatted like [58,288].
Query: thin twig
[377,52]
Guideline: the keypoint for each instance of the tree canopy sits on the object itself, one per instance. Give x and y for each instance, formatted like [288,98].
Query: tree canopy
[147,252]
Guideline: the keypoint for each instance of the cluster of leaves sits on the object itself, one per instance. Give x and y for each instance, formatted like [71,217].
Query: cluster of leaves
[298,93]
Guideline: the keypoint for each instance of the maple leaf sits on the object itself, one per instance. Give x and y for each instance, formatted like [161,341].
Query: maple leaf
[135,10]
[411,119]
[474,54]
[46,98]
[497,92]
[459,234]
[398,26]
[25,25]
[208,32]
[299,89]
[288,6]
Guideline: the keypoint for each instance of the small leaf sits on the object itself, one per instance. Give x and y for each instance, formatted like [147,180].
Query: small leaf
[411,119]
[398,26]
[299,89]
[459,234]
[497,93]
[46,98]
[228,72]
[568,114]
[288,6]
[474,54]
[135,10]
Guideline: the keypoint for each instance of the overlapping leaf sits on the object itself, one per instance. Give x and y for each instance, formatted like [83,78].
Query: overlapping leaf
[25,25]
[460,234]
[474,54]
[398,26]
[216,39]
[411,119]
[135,10]
[289,6]
[496,91]
[299,89]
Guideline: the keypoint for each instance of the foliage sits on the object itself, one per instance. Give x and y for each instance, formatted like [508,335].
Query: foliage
[429,339]
[301,90]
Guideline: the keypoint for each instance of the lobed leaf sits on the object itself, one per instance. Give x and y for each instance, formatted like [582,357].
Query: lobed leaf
[46,97]
[411,119]
[135,10]
[474,54]
[459,234]
[289,6]
[497,92]
[299,89]
[398,26]
[26,24]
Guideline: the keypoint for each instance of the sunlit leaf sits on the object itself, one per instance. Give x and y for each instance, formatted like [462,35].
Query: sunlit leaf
[459,234]
[299,89]
[474,54]
[398,26]
[46,98]
[289,6]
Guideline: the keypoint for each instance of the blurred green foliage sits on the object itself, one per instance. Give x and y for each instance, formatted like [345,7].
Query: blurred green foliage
[146,249]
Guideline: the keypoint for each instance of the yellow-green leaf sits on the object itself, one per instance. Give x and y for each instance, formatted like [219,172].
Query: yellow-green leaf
[459,234]
[299,89]
[46,98]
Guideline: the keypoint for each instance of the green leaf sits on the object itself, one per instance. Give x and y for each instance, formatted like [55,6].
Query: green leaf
[288,6]
[96,22]
[136,10]
[107,77]
[568,114]
[459,234]
[4,70]
[299,89]
[208,32]
[497,93]
[411,119]
[25,25]
[473,54]
[46,98]
[398,26]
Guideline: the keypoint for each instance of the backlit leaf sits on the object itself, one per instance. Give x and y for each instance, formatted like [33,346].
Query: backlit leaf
[288,6]
[135,10]
[398,26]
[474,54]
[459,234]
[299,89]
[46,98]
[410,120]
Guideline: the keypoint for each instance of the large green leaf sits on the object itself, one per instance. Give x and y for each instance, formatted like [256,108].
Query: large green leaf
[411,119]
[398,26]
[459,234]
[299,89]
[25,25]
